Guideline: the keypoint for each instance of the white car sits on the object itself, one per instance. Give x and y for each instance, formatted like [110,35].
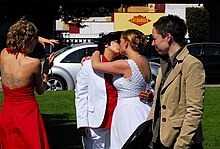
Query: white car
[62,76]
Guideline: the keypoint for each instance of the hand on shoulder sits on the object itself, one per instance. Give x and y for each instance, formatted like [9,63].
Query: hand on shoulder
[85,58]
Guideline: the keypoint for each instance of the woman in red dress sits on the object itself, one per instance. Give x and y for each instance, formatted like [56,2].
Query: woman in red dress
[21,123]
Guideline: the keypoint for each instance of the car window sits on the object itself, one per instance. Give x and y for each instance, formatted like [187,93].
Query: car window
[212,50]
[89,51]
[62,50]
[149,52]
[195,50]
[76,56]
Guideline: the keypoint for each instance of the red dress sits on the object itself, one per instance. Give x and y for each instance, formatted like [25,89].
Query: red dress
[21,123]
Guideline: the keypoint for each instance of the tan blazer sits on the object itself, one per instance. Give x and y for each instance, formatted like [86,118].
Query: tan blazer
[181,102]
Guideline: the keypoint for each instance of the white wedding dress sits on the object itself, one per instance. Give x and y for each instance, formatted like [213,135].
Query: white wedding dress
[130,110]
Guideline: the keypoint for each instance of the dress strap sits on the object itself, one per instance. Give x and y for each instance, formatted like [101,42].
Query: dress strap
[15,51]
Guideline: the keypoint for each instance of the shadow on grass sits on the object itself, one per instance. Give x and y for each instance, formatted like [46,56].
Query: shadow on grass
[61,131]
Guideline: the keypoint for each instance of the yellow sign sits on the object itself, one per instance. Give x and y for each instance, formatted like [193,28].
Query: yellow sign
[141,21]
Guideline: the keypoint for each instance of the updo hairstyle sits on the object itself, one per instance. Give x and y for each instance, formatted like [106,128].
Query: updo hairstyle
[20,34]
[136,38]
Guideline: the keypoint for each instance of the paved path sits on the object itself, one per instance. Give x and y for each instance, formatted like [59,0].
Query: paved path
[62,134]
[213,85]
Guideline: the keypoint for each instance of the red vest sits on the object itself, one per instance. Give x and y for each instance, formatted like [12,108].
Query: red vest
[111,98]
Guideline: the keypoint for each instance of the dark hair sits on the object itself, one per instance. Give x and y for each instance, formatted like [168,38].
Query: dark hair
[107,38]
[174,25]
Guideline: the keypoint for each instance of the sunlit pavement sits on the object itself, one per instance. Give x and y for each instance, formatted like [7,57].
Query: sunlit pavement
[212,85]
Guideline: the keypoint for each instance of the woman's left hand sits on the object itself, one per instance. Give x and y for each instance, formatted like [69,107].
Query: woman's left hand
[85,58]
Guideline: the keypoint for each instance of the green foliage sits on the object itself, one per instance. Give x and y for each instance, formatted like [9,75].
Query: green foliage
[197,20]
[70,14]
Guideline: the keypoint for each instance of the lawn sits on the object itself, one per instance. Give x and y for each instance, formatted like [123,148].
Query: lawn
[211,119]
[58,111]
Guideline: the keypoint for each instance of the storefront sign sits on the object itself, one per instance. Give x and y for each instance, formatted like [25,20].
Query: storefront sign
[141,21]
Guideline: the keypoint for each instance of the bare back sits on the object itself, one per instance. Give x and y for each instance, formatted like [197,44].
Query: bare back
[18,70]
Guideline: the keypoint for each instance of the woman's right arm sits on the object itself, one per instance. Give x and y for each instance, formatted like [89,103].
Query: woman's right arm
[114,67]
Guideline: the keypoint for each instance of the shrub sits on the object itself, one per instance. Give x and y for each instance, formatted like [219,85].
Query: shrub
[197,20]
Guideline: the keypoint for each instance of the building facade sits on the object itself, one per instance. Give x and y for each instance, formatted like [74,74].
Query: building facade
[139,17]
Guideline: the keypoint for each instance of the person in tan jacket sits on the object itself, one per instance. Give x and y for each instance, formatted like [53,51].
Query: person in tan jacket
[180,87]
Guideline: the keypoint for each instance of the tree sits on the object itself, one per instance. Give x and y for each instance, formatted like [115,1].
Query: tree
[197,20]
[43,14]
[76,14]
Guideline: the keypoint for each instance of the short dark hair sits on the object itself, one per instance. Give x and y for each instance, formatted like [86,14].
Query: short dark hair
[107,38]
[174,25]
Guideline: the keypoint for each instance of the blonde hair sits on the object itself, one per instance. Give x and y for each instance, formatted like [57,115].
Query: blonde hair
[20,34]
[136,38]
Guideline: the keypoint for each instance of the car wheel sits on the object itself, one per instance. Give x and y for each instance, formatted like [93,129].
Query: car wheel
[55,84]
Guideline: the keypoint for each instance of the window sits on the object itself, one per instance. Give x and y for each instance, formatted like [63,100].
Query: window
[76,56]
[212,50]
[195,50]
[149,52]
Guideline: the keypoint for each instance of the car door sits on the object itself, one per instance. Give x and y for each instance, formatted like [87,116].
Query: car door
[211,61]
[72,62]
[196,50]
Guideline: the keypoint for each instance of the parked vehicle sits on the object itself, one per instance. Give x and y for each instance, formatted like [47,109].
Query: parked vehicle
[209,54]
[62,76]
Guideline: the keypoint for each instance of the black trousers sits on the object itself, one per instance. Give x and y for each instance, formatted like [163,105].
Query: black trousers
[196,146]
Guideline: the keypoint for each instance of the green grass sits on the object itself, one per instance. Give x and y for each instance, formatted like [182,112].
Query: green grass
[211,118]
[59,104]
[58,110]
